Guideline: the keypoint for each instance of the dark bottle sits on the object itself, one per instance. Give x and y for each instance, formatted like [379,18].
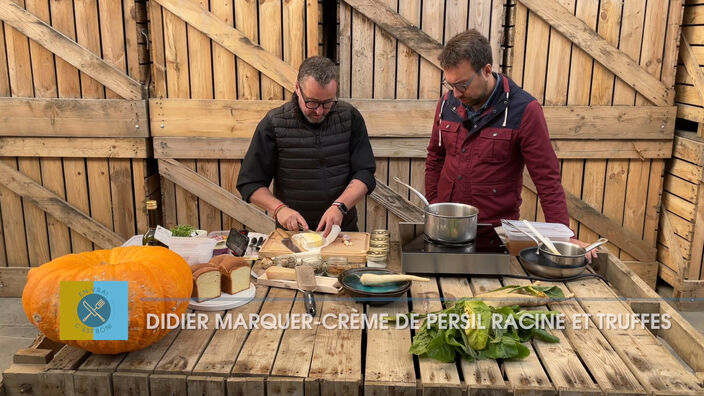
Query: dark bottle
[149,239]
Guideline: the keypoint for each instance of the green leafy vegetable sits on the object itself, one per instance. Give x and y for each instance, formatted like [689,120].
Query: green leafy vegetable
[481,337]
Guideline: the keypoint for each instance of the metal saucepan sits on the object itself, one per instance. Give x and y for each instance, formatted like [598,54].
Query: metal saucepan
[447,222]
[570,254]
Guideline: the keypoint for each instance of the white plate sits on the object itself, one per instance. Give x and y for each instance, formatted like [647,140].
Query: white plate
[225,301]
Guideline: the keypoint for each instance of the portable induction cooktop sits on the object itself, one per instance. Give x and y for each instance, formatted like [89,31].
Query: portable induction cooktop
[485,254]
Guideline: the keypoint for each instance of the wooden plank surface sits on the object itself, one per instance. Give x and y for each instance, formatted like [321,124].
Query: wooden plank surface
[73,147]
[186,349]
[337,355]
[65,212]
[296,347]
[400,28]
[69,50]
[643,354]
[408,118]
[524,376]
[222,350]
[233,40]
[236,148]
[73,117]
[620,64]
[426,299]
[218,197]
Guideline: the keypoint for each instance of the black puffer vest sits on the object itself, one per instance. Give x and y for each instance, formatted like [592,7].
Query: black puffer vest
[314,161]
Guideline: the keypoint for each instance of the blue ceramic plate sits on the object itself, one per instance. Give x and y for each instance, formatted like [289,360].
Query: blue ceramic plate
[384,293]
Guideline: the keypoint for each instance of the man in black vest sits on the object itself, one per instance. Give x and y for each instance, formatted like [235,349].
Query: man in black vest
[318,153]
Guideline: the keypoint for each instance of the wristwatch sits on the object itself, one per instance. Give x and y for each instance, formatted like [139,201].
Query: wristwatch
[341,206]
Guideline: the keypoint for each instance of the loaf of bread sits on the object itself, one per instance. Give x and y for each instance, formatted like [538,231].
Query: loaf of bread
[234,273]
[206,281]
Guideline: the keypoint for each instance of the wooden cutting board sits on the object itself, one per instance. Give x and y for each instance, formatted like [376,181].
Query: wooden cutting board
[355,253]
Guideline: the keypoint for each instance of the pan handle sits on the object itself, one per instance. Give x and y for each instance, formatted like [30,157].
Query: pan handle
[421,196]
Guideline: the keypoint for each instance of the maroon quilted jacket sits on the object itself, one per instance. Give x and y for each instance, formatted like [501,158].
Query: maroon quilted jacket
[481,163]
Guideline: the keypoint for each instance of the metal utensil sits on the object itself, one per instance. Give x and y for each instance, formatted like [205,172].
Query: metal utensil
[287,242]
[596,244]
[305,277]
[447,222]
[505,223]
[540,236]
[421,196]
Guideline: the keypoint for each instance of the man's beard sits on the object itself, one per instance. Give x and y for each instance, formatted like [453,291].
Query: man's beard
[312,121]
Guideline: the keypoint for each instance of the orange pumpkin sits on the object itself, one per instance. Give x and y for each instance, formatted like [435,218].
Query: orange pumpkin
[159,282]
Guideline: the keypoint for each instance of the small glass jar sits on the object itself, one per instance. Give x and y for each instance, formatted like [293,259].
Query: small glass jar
[336,260]
[376,260]
[285,261]
[377,250]
[314,261]
[379,244]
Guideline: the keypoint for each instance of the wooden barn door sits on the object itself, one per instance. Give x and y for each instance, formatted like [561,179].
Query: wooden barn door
[617,58]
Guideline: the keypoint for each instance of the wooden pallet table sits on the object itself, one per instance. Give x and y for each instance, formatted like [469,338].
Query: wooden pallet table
[330,359]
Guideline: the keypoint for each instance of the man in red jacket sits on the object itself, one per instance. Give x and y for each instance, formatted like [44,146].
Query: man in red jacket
[486,128]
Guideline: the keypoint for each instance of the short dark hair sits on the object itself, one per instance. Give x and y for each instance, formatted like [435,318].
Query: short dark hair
[322,69]
[469,46]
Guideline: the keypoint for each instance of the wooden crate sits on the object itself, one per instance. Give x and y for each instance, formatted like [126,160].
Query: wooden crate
[560,54]
[690,77]
[683,209]
[328,359]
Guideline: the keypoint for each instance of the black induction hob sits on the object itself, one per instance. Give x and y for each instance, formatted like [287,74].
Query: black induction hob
[485,254]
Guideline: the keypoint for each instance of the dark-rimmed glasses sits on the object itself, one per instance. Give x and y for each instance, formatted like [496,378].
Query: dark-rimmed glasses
[314,104]
[459,87]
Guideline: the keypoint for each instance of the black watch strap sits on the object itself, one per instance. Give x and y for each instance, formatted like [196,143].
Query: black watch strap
[341,206]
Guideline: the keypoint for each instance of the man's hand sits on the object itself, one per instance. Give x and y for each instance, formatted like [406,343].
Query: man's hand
[590,255]
[291,219]
[331,217]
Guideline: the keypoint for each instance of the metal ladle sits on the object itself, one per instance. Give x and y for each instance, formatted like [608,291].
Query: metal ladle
[421,196]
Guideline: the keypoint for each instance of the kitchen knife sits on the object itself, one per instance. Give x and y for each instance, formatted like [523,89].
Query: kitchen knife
[287,242]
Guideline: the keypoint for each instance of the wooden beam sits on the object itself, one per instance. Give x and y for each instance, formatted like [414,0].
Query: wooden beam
[411,147]
[575,30]
[215,195]
[73,117]
[684,339]
[688,112]
[396,203]
[602,225]
[58,208]
[74,147]
[70,51]
[234,41]
[407,118]
[400,28]
[12,281]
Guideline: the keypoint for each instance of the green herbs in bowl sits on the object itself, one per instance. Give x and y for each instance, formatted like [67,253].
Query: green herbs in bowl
[182,231]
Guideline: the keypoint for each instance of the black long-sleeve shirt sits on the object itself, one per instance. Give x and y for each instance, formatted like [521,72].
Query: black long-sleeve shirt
[261,163]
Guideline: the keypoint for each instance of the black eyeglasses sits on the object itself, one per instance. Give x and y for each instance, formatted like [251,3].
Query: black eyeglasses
[314,104]
[458,87]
